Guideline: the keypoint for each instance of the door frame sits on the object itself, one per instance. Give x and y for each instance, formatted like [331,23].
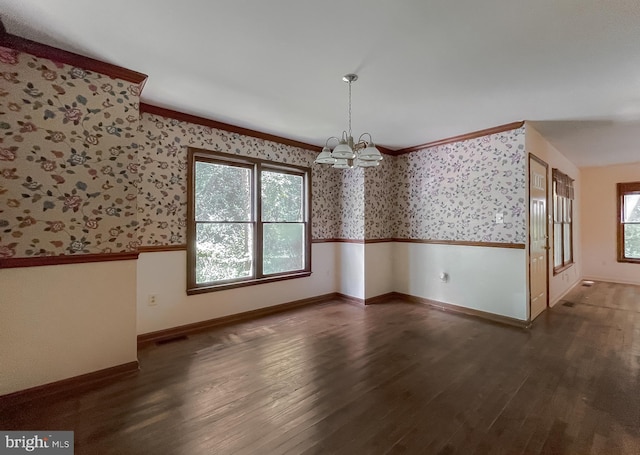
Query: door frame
[546,223]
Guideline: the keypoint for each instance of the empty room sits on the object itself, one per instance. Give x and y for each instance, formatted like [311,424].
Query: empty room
[320,227]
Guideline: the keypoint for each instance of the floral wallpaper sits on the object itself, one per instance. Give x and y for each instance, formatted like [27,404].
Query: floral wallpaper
[452,192]
[162,203]
[68,159]
[352,204]
[379,199]
[449,192]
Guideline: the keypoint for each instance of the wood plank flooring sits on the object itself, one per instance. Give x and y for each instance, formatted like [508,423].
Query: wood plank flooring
[391,378]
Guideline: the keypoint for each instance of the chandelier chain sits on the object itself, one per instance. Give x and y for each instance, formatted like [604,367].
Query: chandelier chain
[349,108]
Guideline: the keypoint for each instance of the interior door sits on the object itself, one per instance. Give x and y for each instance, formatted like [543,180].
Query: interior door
[538,236]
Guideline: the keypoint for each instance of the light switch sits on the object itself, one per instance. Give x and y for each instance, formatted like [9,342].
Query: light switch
[499,218]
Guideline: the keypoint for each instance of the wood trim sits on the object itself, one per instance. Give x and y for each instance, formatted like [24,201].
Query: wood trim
[255,166]
[146,339]
[350,299]
[361,241]
[158,248]
[244,282]
[517,246]
[70,58]
[556,177]
[622,189]
[196,327]
[548,247]
[308,247]
[191,229]
[464,311]
[184,117]
[558,270]
[385,150]
[337,240]
[82,382]
[38,261]
[382,298]
[390,296]
[541,162]
[462,137]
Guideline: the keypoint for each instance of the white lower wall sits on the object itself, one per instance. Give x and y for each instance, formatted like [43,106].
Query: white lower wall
[378,269]
[350,263]
[61,321]
[486,279]
[164,275]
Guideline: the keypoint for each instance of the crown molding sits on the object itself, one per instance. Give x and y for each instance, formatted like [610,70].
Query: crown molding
[462,137]
[58,55]
[177,115]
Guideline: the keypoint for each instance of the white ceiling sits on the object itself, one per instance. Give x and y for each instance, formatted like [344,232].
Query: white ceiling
[429,69]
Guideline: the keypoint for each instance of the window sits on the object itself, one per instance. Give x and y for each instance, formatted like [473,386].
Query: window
[562,221]
[248,221]
[629,222]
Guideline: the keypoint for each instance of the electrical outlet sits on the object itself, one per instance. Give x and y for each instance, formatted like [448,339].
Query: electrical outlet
[152,300]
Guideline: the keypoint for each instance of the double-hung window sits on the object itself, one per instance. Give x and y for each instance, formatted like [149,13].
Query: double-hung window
[562,221]
[248,221]
[629,222]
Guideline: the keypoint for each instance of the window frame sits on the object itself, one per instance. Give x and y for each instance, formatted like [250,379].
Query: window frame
[622,190]
[256,166]
[560,178]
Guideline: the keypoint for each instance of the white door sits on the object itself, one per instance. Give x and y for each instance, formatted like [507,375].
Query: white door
[538,236]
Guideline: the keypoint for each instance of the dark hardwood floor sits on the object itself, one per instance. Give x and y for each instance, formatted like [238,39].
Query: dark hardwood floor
[390,378]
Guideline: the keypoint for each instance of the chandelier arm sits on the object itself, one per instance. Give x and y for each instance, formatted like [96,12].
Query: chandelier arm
[367,134]
[359,146]
[326,144]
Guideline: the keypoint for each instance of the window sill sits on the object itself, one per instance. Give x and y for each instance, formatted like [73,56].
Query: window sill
[562,268]
[240,284]
[629,260]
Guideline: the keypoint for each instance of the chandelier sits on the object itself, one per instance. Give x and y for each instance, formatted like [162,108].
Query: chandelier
[347,153]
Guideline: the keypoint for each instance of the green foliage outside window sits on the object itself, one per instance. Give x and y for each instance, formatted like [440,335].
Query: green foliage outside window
[283,210]
[632,226]
[227,220]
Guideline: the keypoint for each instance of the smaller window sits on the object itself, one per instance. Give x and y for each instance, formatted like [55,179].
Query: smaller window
[629,222]
[562,221]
